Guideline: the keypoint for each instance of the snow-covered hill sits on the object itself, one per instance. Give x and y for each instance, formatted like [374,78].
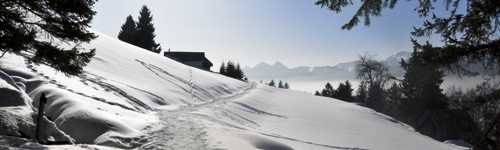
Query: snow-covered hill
[131,98]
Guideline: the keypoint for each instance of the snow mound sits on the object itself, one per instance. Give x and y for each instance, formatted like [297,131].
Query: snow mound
[17,114]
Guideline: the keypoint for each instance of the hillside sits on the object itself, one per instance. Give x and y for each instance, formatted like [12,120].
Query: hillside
[132,98]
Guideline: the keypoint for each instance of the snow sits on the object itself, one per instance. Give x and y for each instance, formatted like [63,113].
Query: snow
[128,97]
[116,96]
[303,121]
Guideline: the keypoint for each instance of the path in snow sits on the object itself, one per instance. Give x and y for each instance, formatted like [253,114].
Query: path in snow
[180,129]
[183,129]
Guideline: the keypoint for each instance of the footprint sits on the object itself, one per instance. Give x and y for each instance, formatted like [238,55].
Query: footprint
[53,81]
[61,86]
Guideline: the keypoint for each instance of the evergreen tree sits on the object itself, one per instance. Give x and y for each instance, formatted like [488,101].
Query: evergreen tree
[362,92]
[421,83]
[344,92]
[328,90]
[230,69]
[376,98]
[222,69]
[394,99]
[395,93]
[272,83]
[145,31]
[287,86]
[317,93]
[128,31]
[239,73]
[280,84]
[23,22]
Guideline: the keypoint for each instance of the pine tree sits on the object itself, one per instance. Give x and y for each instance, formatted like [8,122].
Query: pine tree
[230,69]
[222,69]
[362,92]
[128,31]
[287,86]
[421,83]
[145,31]
[376,97]
[23,22]
[394,99]
[271,83]
[280,84]
[317,93]
[239,73]
[328,90]
[395,92]
[344,91]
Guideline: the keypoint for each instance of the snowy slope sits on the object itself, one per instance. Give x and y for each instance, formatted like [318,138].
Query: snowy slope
[131,98]
[269,117]
[122,86]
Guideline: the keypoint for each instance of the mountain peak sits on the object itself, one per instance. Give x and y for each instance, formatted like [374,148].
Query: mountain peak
[279,65]
[262,64]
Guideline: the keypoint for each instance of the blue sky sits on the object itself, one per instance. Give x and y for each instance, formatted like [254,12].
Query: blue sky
[295,32]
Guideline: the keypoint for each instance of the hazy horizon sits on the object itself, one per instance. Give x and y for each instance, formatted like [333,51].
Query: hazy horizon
[249,32]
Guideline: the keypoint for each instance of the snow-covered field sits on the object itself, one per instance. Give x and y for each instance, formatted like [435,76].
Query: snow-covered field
[131,98]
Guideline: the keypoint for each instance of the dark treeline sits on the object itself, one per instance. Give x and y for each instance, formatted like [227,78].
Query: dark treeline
[343,91]
[233,70]
[140,33]
[280,84]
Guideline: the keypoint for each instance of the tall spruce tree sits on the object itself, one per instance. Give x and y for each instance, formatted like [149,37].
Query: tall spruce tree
[280,84]
[362,92]
[394,99]
[23,22]
[145,31]
[328,90]
[128,31]
[344,91]
[376,97]
[239,73]
[271,83]
[421,84]
[287,86]
[222,69]
[230,69]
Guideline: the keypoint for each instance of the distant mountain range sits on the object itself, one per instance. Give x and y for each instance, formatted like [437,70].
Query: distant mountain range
[341,71]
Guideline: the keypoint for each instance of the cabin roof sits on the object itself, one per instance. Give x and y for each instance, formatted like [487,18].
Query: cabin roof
[187,56]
